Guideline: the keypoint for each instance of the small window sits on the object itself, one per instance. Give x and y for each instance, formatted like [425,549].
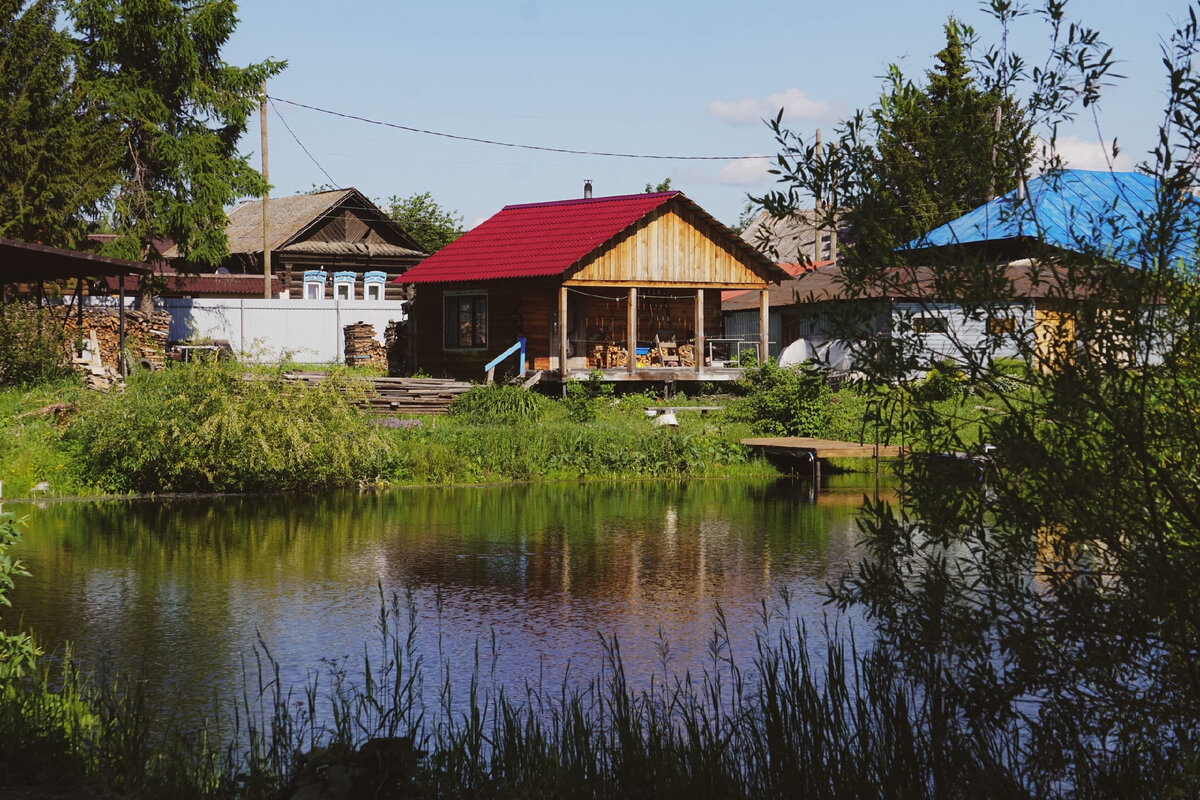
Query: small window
[1001,325]
[343,285]
[466,321]
[314,284]
[929,325]
[373,282]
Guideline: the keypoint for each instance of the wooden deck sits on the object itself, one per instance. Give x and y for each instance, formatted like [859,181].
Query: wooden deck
[821,448]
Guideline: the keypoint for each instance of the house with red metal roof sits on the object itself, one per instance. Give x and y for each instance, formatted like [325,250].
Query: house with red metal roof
[630,285]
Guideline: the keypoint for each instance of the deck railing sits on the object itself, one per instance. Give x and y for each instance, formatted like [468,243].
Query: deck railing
[490,367]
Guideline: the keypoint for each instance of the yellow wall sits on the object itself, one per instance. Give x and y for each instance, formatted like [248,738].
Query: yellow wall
[668,249]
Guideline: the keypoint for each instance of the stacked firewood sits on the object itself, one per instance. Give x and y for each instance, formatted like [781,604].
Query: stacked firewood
[145,335]
[611,356]
[361,348]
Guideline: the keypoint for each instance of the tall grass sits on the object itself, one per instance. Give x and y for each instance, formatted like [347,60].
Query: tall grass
[770,724]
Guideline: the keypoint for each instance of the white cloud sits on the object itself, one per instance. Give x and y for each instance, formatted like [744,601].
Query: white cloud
[796,105]
[1085,154]
[744,172]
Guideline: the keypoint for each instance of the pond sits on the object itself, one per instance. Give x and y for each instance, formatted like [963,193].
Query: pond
[526,578]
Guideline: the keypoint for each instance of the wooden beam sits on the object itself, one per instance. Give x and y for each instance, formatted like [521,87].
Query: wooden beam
[764,328]
[631,329]
[664,285]
[562,331]
[699,338]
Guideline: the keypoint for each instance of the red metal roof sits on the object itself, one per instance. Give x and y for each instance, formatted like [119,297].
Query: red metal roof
[535,239]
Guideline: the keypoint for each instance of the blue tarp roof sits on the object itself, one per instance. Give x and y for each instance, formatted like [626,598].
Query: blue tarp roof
[1076,210]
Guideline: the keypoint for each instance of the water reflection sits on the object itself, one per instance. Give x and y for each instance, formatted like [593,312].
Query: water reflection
[181,589]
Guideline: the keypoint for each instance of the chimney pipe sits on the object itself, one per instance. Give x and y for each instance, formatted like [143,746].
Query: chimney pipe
[587,188]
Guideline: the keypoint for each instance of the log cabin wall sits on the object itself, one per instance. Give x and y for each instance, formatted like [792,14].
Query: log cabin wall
[514,308]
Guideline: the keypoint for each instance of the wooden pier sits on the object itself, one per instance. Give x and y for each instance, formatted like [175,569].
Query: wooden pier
[805,450]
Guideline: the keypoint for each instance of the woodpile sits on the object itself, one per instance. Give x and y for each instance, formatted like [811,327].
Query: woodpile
[400,395]
[361,348]
[611,356]
[145,334]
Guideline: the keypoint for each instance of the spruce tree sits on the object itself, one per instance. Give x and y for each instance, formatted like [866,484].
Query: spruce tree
[57,154]
[154,68]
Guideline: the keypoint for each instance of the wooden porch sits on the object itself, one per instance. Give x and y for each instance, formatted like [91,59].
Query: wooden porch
[661,333]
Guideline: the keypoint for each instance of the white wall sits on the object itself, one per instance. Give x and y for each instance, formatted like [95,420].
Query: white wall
[266,330]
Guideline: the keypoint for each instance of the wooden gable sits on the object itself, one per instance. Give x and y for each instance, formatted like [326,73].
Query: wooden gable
[672,246]
[347,224]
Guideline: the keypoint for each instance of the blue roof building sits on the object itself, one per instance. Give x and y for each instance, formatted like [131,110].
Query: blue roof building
[1094,213]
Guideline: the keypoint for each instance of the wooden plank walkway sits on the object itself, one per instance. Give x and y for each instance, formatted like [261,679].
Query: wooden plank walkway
[399,395]
[819,448]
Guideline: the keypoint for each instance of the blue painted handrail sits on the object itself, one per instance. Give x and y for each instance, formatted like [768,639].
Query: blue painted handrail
[491,365]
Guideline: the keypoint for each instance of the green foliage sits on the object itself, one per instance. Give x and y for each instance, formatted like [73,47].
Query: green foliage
[18,653]
[57,155]
[33,344]
[1037,575]
[430,225]
[784,401]
[583,398]
[154,69]
[499,404]
[662,186]
[920,157]
[944,382]
[204,427]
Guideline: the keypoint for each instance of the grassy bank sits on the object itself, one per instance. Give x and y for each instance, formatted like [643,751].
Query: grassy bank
[205,428]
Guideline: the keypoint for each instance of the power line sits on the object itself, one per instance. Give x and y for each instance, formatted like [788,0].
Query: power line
[512,144]
[332,182]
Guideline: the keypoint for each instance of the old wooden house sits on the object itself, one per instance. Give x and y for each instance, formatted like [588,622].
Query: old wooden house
[630,285]
[326,245]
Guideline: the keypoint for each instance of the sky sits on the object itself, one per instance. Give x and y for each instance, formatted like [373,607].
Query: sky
[655,77]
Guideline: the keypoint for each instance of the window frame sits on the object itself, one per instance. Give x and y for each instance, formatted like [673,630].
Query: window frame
[452,312]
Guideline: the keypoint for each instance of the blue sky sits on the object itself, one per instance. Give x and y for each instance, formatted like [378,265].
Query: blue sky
[653,77]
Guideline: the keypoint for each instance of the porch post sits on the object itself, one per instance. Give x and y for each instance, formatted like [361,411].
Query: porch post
[699,338]
[562,331]
[631,329]
[121,366]
[764,311]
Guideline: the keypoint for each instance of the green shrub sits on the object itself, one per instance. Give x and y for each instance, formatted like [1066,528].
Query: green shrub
[205,427]
[583,398]
[33,344]
[784,401]
[18,653]
[499,404]
[944,382]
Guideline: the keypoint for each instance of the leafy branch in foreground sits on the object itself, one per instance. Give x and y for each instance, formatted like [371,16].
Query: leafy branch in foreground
[1048,582]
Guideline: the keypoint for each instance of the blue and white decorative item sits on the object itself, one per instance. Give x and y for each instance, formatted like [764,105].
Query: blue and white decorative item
[373,285]
[343,285]
[314,284]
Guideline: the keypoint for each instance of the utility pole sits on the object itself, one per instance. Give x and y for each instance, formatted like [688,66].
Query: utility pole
[266,225]
[995,146]
[817,204]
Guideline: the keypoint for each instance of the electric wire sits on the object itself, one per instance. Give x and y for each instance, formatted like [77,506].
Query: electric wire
[332,182]
[515,145]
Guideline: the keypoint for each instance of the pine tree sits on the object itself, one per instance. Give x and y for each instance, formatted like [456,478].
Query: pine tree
[57,155]
[934,149]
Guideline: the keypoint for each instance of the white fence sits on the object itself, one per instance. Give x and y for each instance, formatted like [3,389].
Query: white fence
[266,330]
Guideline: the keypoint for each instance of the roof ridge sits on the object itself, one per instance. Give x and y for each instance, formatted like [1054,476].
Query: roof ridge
[577,200]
